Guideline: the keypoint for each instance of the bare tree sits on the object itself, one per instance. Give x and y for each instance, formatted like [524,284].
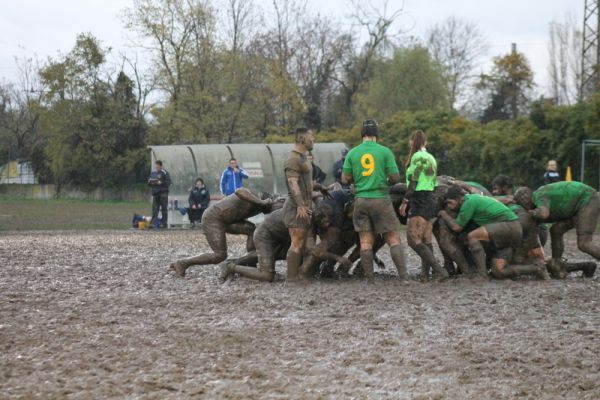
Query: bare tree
[457,46]
[564,69]
[319,48]
[356,65]
[240,22]
[20,106]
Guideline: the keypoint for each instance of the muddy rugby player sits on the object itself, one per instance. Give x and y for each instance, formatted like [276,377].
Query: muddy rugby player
[498,228]
[569,205]
[372,168]
[228,216]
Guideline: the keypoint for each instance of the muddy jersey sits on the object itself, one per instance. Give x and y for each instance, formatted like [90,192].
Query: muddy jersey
[273,226]
[563,199]
[483,210]
[422,170]
[232,209]
[299,166]
[370,164]
[337,203]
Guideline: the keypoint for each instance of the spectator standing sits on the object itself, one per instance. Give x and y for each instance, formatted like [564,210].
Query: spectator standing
[198,200]
[551,175]
[232,178]
[159,181]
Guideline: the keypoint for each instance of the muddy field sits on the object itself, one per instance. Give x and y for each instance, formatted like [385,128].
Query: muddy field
[98,315]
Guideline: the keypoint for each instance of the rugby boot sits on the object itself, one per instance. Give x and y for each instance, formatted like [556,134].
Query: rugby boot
[557,269]
[293,266]
[179,268]
[397,253]
[226,268]
[366,261]
[588,268]
[427,257]
[478,254]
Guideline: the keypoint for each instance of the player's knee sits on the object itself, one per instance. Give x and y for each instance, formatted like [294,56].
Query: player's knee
[584,243]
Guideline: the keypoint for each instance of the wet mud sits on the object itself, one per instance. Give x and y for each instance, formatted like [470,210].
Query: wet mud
[98,315]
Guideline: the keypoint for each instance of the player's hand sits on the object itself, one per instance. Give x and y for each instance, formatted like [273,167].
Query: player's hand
[194,206]
[302,213]
[402,209]
[158,182]
[325,192]
[267,202]
[442,214]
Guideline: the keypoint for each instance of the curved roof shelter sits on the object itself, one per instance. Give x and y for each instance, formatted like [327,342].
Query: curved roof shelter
[263,162]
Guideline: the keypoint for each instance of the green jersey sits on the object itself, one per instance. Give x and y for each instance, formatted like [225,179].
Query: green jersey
[423,170]
[563,199]
[512,206]
[483,210]
[370,164]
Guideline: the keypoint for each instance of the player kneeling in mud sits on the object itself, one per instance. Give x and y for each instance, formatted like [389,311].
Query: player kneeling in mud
[228,216]
[499,228]
[272,241]
[569,205]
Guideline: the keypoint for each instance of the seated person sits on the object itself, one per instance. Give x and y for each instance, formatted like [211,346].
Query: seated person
[198,200]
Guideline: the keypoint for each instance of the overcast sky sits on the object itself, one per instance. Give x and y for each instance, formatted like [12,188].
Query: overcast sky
[45,27]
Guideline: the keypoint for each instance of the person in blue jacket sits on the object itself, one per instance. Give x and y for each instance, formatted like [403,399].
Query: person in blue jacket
[232,178]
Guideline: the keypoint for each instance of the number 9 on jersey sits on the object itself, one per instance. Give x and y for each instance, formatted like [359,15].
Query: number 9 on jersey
[368,163]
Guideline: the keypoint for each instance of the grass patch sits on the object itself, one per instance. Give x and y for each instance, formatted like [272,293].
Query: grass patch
[17,214]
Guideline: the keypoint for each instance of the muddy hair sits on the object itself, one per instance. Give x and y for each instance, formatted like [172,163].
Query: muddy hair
[455,193]
[299,134]
[418,140]
[502,181]
[523,195]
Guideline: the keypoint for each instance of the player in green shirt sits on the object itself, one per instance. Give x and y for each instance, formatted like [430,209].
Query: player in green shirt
[372,168]
[569,205]
[421,181]
[499,227]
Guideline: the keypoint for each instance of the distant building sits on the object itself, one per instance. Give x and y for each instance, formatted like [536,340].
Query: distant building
[17,172]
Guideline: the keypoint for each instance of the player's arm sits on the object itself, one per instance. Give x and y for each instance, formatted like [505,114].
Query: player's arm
[320,252]
[391,169]
[393,179]
[292,175]
[248,196]
[347,178]
[464,186]
[451,222]
[541,213]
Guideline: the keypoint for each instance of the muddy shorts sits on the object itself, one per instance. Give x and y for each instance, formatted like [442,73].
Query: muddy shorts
[587,216]
[504,238]
[269,249]
[375,215]
[214,229]
[290,219]
[422,204]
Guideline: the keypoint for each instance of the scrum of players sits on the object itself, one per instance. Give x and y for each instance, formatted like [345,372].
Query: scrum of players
[481,235]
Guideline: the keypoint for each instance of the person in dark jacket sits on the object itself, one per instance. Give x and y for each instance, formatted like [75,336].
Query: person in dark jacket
[159,181]
[551,175]
[337,169]
[232,178]
[318,175]
[198,200]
